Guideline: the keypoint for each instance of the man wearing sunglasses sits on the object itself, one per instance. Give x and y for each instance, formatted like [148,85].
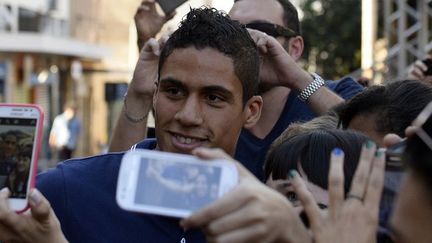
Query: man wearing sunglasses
[299,98]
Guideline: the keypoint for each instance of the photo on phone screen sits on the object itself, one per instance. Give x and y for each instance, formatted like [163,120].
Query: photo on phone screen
[20,130]
[171,184]
[177,185]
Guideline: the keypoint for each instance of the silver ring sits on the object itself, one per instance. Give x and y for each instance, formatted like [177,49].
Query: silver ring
[352,196]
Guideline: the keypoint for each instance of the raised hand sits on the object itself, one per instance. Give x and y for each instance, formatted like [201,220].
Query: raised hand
[354,219]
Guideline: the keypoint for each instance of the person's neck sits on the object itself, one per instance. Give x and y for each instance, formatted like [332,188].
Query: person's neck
[273,104]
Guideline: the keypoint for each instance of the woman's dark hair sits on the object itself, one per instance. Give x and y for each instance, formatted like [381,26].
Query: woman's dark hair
[312,150]
[208,27]
[394,105]
[25,152]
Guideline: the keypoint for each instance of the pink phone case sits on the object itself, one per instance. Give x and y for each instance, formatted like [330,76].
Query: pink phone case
[36,146]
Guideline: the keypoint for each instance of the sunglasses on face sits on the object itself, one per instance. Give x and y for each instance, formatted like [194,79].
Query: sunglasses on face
[274,30]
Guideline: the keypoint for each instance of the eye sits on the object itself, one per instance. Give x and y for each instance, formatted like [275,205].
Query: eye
[214,98]
[174,92]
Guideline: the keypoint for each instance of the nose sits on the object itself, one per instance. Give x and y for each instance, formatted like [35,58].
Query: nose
[190,113]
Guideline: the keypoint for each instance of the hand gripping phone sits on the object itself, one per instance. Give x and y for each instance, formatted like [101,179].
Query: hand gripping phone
[168,6]
[169,184]
[20,133]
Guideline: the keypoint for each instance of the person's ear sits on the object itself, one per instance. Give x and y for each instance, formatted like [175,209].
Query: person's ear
[252,111]
[296,46]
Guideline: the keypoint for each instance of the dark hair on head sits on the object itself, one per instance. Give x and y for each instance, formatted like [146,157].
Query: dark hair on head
[418,156]
[25,152]
[312,151]
[290,15]
[394,105]
[291,18]
[207,27]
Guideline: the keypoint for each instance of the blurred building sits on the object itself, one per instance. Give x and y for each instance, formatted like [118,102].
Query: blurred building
[81,51]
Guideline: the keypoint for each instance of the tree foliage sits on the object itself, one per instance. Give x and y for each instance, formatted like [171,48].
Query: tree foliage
[332,34]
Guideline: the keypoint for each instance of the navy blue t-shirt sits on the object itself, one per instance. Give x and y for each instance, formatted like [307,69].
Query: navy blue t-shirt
[82,194]
[251,150]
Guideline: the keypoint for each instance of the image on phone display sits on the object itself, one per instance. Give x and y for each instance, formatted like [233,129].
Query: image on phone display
[177,185]
[17,137]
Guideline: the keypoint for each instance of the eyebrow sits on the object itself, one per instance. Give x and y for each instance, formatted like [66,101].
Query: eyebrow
[207,89]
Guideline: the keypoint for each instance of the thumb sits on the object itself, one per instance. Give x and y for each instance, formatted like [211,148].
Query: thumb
[40,207]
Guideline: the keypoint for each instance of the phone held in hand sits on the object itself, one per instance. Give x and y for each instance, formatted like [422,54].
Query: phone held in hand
[20,133]
[428,63]
[168,6]
[171,184]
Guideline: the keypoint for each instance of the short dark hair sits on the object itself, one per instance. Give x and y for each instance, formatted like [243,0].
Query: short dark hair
[312,150]
[290,16]
[395,105]
[207,27]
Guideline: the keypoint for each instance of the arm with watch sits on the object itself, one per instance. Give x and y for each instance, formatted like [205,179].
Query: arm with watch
[280,69]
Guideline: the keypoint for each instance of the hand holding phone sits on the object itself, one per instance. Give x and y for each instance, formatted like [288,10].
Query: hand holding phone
[428,63]
[171,184]
[20,132]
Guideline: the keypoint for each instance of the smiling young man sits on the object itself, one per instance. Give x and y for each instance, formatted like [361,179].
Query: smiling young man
[282,104]
[205,94]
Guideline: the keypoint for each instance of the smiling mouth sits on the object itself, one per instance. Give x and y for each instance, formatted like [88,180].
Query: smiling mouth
[187,140]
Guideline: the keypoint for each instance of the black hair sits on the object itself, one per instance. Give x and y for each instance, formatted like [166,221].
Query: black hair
[290,16]
[312,150]
[207,27]
[25,152]
[394,105]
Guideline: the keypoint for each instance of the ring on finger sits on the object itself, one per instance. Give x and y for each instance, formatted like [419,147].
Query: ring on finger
[352,196]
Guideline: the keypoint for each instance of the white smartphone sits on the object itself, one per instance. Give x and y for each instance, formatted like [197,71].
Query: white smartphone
[171,184]
[20,132]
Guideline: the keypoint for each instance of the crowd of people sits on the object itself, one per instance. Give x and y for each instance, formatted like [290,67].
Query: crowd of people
[310,152]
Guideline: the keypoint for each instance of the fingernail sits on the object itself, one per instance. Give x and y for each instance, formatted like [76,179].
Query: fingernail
[35,197]
[337,151]
[292,173]
[369,144]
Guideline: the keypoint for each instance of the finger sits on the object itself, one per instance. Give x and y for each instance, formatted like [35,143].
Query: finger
[40,207]
[361,176]
[152,46]
[417,73]
[8,218]
[420,64]
[391,139]
[237,219]
[212,153]
[307,200]
[251,233]
[163,40]
[376,183]
[410,131]
[229,202]
[336,182]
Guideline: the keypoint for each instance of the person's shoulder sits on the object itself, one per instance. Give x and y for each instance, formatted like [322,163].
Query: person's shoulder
[346,87]
[148,143]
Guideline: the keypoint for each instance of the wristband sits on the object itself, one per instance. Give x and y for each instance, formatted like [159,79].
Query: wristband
[128,116]
[311,88]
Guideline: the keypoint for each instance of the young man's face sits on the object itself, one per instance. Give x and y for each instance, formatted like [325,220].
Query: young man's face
[198,102]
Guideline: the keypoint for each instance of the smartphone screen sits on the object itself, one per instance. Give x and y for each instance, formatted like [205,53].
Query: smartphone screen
[171,184]
[168,6]
[177,185]
[20,129]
